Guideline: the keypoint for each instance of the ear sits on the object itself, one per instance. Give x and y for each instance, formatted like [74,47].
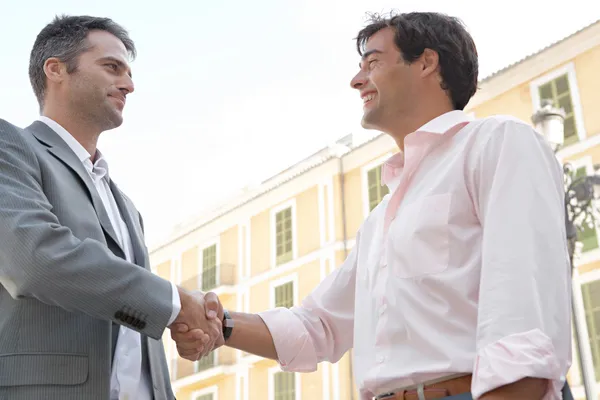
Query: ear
[55,70]
[429,61]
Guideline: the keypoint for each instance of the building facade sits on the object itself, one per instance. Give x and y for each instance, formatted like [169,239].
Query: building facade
[271,245]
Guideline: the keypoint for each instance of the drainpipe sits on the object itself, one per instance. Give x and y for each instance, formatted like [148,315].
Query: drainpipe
[341,150]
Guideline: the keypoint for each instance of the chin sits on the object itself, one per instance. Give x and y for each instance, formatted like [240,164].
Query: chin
[113,122]
[367,123]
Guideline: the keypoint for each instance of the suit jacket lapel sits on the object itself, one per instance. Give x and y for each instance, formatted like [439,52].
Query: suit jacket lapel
[133,227]
[59,149]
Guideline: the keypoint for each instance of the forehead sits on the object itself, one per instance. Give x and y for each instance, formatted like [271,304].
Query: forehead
[382,40]
[105,44]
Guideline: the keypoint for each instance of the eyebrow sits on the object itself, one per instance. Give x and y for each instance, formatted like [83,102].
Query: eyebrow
[367,54]
[120,63]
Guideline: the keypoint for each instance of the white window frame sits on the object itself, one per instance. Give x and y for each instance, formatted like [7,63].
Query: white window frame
[591,255]
[568,69]
[214,390]
[217,243]
[272,371]
[288,204]
[364,172]
[244,257]
[581,280]
[282,281]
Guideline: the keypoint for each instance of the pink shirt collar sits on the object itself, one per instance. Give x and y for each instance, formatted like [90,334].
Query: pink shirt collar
[437,126]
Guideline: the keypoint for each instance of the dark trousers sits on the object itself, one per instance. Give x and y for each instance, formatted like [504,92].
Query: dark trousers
[566,392]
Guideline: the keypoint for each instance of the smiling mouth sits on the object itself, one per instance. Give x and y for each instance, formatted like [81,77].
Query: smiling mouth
[120,100]
[368,98]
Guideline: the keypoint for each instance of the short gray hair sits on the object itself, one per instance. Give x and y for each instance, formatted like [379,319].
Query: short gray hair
[66,39]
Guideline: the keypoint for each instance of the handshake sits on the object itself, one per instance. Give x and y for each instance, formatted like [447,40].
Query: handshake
[198,329]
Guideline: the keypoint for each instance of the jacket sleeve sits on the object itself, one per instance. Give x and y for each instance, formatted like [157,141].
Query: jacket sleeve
[42,259]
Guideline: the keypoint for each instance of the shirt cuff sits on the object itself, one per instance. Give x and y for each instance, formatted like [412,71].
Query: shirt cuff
[515,357]
[294,347]
[176,303]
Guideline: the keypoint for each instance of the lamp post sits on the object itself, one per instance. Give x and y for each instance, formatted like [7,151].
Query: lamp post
[580,193]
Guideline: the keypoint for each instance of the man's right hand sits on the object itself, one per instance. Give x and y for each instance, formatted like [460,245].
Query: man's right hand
[205,332]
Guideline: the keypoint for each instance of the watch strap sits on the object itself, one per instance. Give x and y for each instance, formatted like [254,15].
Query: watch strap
[227,325]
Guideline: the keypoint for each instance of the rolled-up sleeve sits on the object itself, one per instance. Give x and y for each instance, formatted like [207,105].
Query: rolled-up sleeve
[524,318]
[322,327]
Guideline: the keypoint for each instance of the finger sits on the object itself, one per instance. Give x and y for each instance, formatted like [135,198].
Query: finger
[211,304]
[179,327]
[192,335]
[191,347]
[192,355]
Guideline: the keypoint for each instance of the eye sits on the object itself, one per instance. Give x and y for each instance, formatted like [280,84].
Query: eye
[113,66]
[371,62]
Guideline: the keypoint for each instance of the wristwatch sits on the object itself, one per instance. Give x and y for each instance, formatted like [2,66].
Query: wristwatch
[227,325]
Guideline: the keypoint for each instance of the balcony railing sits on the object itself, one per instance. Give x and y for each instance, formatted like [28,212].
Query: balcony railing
[212,278]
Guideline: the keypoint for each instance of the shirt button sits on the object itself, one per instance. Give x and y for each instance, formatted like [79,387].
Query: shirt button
[380,359]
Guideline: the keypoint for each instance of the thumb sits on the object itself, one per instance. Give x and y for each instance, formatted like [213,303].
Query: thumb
[211,304]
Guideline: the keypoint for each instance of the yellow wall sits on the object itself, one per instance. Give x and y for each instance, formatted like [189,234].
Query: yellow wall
[587,68]
[259,252]
[307,218]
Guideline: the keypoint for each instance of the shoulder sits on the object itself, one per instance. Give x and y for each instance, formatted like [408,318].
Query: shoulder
[7,129]
[14,139]
[502,132]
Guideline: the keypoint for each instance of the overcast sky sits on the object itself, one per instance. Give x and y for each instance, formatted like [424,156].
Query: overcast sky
[229,93]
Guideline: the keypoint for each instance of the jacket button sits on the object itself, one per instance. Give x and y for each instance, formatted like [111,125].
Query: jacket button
[142,325]
[119,315]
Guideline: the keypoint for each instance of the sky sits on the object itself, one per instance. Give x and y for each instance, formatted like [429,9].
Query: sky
[230,93]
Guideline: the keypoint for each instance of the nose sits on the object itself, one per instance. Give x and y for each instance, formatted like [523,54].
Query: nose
[126,85]
[359,80]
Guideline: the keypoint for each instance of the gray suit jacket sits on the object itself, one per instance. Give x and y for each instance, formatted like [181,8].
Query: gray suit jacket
[64,280]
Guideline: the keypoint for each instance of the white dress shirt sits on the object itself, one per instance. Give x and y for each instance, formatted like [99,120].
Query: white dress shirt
[462,268]
[128,380]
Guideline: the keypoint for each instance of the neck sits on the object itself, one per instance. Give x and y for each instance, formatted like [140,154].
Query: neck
[407,124]
[78,127]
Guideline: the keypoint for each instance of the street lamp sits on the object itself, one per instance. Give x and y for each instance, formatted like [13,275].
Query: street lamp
[550,122]
[580,193]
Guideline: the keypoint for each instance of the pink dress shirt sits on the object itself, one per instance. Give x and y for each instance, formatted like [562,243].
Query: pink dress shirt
[462,268]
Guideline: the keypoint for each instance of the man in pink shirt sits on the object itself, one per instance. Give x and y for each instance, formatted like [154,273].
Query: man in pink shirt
[458,286]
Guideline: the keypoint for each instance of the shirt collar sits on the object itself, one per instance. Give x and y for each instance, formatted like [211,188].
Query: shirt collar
[100,166]
[444,122]
[439,125]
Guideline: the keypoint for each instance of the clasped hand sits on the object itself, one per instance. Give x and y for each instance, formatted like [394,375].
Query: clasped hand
[198,330]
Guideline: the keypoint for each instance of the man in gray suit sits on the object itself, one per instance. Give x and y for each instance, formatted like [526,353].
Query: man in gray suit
[81,315]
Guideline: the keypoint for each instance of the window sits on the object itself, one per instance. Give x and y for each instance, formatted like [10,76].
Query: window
[205,362]
[558,91]
[591,304]
[376,190]
[588,236]
[283,236]
[284,295]
[284,386]
[209,268]
[560,88]
[209,393]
